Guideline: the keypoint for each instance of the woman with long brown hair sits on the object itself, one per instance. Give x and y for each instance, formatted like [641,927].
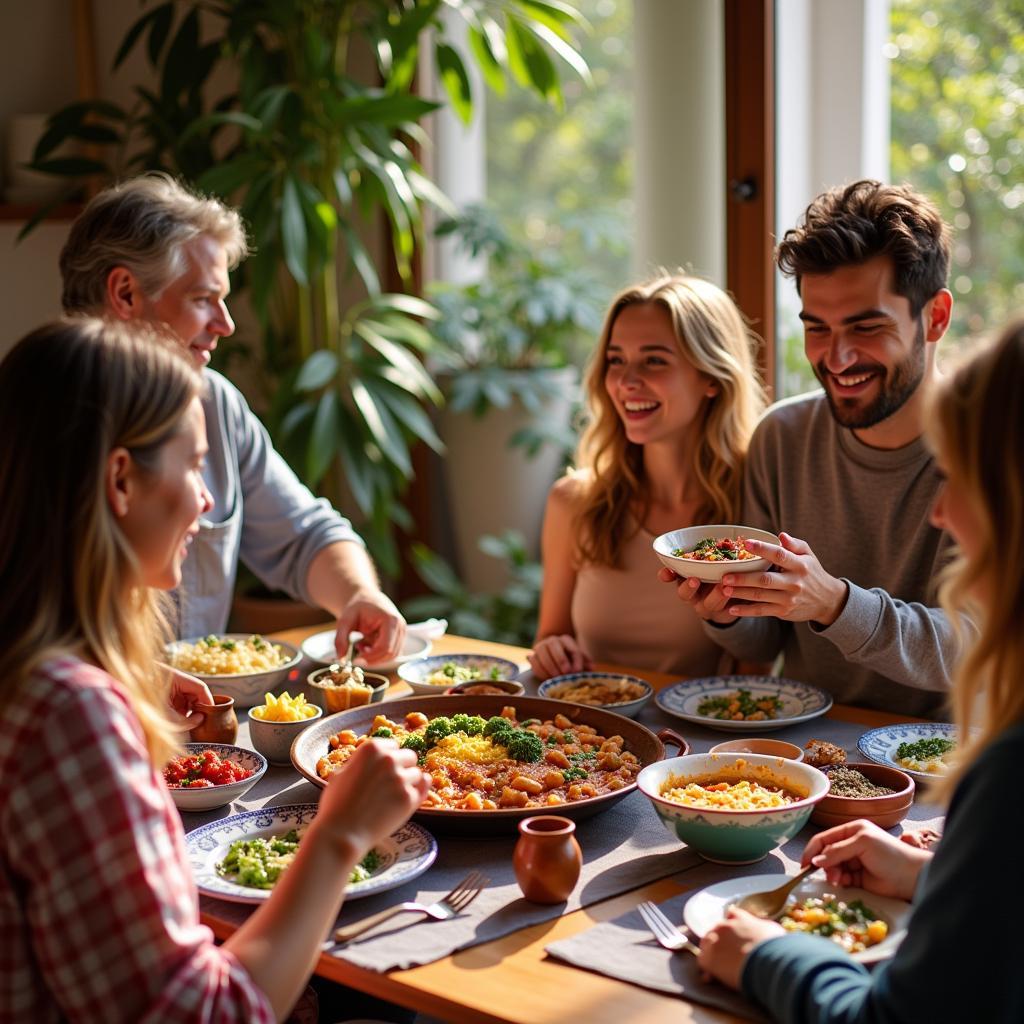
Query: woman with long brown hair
[673,396]
[962,954]
[101,476]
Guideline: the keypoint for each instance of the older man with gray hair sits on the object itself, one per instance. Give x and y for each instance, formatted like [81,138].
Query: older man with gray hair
[152,250]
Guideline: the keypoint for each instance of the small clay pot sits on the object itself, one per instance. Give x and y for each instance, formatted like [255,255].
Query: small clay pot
[220,724]
[547,858]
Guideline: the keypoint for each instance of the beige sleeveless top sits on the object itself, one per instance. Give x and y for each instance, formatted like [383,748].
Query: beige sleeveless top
[629,617]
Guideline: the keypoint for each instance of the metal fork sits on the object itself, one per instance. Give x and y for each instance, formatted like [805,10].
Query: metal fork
[446,907]
[664,930]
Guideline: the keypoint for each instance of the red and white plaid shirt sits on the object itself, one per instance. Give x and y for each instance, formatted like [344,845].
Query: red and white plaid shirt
[99,917]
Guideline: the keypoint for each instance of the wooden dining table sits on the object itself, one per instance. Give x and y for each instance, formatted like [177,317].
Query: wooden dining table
[511,980]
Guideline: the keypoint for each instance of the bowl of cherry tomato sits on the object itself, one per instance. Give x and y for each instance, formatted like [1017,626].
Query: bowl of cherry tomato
[210,775]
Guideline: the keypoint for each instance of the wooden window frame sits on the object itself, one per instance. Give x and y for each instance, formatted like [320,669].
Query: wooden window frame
[750,167]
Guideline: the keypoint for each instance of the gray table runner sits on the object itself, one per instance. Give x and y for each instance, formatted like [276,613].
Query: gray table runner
[623,848]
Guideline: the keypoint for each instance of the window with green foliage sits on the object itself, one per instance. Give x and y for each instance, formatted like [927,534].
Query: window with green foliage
[563,178]
[958,135]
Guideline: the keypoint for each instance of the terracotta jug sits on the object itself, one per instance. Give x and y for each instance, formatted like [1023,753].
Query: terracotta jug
[547,858]
[220,724]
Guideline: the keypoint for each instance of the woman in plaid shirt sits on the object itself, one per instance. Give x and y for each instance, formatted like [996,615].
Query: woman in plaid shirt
[100,472]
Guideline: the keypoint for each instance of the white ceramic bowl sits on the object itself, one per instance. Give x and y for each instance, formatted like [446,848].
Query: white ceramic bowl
[415,673]
[274,739]
[727,836]
[320,648]
[629,708]
[709,572]
[756,745]
[210,797]
[247,688]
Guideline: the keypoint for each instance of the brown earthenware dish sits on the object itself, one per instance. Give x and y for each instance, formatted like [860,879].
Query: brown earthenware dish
[314,742]
[885,811]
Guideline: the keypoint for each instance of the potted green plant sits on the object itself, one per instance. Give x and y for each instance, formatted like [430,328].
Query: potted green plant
[315,139]
[509,346]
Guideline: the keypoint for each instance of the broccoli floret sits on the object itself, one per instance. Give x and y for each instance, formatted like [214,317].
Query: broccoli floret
[522,745]
[414,741]
[438,729]
[383,733]
[497,724]
[471,725]
[572,774]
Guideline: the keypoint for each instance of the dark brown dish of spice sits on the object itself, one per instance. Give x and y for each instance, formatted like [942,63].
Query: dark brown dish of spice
[847,781]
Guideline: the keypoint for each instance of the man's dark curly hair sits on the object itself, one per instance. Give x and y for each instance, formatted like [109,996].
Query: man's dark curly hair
[854,223]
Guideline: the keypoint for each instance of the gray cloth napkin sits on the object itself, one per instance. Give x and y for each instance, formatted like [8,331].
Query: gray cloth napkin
[624,949]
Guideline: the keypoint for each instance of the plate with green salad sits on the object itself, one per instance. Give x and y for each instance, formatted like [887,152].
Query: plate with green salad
[240,858]
[749,703]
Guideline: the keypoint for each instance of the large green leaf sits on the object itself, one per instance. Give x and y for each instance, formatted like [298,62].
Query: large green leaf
[224,179]
[490,67]
[180,64]
[293,231]
[164,11]
[382,426]
[324,438]
[415,377]
[317,371]
[409,411]
[71,166]
[358,470]
[361,259]
[455,80]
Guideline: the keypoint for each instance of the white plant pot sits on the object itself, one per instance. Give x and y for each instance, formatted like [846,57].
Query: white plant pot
[492,487]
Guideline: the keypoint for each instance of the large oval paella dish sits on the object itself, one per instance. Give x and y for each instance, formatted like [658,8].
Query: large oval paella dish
[494,760]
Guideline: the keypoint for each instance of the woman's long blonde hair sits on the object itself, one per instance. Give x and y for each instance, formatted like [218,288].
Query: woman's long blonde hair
[70,393]
[975,425]
[713,335]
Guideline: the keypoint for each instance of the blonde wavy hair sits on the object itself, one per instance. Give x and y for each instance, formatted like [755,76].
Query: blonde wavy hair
[713,335]
[72,583]
[975,423]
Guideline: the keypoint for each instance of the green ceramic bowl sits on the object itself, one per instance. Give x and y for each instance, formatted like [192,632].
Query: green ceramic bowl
[728,836]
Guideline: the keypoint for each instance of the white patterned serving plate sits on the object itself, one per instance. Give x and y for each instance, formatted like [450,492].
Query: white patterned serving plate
[320,648]
[880,744]
[800,701]
[704,909]
[405,854]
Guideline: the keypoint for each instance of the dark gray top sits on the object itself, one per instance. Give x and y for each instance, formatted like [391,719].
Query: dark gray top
[864,513]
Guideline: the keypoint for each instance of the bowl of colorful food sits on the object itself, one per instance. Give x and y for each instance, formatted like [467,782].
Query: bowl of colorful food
[244,666]
[866,926]
[924,750]
[495,760]
[210,775]
[434,675]
[241,858]
[274,724]
[864,790]
[340,687]
[732,808]
[625,695]
[709,552]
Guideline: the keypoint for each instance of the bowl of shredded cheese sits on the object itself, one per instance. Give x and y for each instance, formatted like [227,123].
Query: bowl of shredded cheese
[733,808]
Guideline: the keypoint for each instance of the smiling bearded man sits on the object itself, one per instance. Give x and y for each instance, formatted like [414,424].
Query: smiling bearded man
[850,599]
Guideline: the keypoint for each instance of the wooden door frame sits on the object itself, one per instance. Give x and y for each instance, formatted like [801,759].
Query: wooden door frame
[750,167]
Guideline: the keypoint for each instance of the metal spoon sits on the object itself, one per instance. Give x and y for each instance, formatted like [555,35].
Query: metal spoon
[346,663]
[770,904]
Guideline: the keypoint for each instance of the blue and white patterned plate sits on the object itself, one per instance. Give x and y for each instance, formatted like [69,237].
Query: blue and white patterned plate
[880,744]
[405,854]
[800,701]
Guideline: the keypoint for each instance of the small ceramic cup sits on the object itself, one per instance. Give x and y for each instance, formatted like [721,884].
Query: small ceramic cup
[220,724]
[776,748]
[547,859]
[274,739]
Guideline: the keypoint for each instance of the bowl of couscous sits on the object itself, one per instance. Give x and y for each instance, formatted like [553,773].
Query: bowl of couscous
[733,808]
[245,666]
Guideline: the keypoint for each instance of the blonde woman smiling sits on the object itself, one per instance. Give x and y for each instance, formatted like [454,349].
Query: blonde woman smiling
[673,396]
[98,910]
